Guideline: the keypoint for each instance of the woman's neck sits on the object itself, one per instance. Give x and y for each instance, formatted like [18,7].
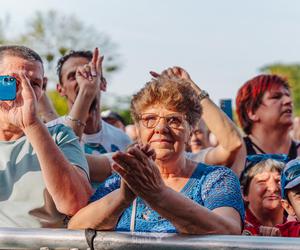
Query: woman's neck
[176,173]
[271,141]
[172,168]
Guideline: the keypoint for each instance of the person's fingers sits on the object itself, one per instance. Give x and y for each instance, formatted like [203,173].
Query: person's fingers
[144,148]
[176,71]
[95,56]
[88,71]
[18,82]
[138,154]
[170,72]
[25,83]
[103,84]
[154,74]
[121,171]
[124,160]
[164,73]
[81,70]
[276,232]
[99,65]
[147,150]
[94,62]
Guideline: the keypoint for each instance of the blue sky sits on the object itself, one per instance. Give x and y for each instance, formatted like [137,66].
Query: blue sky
[220,43]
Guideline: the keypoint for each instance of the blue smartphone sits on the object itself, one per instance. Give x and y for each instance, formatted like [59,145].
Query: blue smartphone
[226,106]
[8,88]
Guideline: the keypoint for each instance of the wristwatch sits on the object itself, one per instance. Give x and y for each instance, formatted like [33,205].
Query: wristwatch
[203,94]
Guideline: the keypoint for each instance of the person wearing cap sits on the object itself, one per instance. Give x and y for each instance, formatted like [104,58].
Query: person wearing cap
[290,191]
[260,182]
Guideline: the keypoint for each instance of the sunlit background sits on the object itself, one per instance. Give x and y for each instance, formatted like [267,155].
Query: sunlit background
[220,43]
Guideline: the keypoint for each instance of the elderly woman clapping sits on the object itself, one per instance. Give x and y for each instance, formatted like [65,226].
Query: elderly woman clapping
[155,187]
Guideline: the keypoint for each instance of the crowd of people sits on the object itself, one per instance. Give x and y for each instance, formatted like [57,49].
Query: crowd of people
[183,166]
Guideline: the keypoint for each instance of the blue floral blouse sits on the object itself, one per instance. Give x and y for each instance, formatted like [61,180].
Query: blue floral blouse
[209,186]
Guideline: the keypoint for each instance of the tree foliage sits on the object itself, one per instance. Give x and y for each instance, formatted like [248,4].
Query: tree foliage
[52,34]
[58,101]
[292,73]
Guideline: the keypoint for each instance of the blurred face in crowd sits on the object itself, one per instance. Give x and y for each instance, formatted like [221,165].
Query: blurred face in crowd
[131,132]
[264,192]
[69,86]
[165,130]
[276,108]
[199,138]
[114,122]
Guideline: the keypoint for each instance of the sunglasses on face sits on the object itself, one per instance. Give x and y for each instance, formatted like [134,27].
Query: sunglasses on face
[151,120]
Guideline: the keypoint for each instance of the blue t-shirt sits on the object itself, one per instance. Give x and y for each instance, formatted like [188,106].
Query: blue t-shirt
[209,186]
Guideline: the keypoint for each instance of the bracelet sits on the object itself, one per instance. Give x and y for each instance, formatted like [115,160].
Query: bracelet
[77,121]
[203,94]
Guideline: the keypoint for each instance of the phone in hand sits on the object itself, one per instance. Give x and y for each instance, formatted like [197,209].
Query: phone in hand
[226,106]
[8,88]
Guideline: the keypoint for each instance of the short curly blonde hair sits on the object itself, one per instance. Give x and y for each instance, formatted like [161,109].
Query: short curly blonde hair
[174,94]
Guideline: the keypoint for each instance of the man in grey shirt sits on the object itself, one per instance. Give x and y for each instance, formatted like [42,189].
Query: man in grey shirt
[43,172]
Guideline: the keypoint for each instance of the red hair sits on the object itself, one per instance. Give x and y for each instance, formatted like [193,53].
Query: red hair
[249,96]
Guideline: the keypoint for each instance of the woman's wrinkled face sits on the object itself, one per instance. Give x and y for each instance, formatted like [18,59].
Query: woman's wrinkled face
[165,130]
[264,192]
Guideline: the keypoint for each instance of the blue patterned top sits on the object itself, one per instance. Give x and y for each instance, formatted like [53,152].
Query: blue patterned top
[209,186]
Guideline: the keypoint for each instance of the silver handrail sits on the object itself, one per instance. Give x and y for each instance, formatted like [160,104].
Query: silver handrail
[17,238]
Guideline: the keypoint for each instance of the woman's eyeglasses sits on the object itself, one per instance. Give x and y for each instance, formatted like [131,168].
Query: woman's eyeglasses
[150,120]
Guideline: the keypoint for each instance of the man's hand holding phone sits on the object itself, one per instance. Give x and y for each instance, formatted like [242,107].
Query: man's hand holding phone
[8,88]
[20,109]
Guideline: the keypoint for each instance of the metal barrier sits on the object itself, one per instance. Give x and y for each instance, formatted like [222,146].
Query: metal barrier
[16,238]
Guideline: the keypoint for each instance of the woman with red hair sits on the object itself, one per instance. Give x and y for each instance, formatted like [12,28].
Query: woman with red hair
[265,111]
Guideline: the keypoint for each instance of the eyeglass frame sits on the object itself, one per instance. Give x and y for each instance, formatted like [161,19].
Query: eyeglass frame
[182,117]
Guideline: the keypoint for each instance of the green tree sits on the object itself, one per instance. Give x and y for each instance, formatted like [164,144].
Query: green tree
[52,34]
[292,73]
[59,103]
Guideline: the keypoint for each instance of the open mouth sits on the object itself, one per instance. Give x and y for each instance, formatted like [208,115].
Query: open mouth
[288,111]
